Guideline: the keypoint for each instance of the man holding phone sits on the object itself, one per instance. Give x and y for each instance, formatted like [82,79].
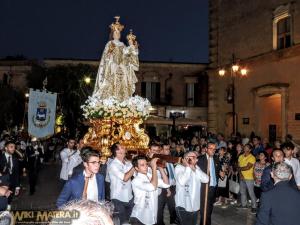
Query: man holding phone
[188,188]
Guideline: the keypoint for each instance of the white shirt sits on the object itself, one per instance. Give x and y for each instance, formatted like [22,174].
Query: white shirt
[92,189]
[66,156]
[188,187]
[74,161]
[11,161]
[119,189]
[107,179]
[145,198]
[295,164]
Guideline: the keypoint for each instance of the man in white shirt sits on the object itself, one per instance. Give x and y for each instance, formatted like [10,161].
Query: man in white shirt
[120,172]
[66,157]
[188,188]
[288,149]
[145,188]
[76,163]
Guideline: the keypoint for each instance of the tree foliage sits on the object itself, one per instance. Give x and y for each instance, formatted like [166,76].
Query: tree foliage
[68,82]
[12,103]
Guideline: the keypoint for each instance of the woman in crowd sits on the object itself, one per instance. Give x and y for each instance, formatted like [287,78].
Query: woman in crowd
[259,167]
[223,185]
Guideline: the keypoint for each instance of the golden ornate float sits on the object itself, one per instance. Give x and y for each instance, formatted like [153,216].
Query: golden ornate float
[104,132]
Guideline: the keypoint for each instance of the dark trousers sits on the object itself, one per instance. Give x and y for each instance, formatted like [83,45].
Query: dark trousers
[62,183]
[135,221]
[185,217]
[32,176]
[10,198]
[107,191]
[170,201]
[122,210]
[211,197]
[257,192]
[3,203]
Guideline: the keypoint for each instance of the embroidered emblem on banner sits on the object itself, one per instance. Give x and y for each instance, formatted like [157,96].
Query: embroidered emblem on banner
[42,115]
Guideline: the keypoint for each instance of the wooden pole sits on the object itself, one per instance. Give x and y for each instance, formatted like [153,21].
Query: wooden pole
[206,191]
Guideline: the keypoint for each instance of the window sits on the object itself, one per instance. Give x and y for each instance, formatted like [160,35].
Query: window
[151,91]
[282,27]
[190,94]
[196,91]
[284,33]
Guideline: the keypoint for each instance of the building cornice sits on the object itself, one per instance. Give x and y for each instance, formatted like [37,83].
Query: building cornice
[272,56]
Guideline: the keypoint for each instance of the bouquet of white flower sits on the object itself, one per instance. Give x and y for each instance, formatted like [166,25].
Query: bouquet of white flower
[95,108]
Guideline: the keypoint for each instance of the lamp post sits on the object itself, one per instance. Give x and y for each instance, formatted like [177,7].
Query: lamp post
[174,116]
[25,110]
[235,70]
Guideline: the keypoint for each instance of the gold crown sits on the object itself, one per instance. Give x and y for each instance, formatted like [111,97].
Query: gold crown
[131,36]
[116,26]
[42,104]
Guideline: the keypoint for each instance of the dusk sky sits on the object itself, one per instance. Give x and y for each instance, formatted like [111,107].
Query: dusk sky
[167,30]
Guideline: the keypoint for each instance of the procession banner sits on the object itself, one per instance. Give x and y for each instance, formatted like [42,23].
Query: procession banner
[41,113]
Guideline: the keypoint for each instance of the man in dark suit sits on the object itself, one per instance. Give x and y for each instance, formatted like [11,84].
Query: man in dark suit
[267,183]
[9,165]
[281,204]
[88,184]
[33,164]
[214,174]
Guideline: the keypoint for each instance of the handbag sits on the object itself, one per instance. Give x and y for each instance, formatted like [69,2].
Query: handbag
[234,186]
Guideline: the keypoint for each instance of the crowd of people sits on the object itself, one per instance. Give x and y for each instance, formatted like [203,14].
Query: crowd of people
[21,159]
[188,176]
[211,173]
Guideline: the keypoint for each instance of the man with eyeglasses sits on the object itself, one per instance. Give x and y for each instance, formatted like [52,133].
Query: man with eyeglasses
[210,165]
[88,184]
[188,188]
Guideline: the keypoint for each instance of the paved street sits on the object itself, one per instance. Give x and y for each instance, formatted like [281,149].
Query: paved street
[48,189]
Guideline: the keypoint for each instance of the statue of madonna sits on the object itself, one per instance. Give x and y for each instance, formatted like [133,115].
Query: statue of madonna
[116,74]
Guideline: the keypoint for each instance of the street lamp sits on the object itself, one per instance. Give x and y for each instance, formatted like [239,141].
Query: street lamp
[87,80]
[222,72]
[26,95]
[234,71]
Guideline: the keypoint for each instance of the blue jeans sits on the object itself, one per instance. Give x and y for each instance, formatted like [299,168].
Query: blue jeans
[247,185]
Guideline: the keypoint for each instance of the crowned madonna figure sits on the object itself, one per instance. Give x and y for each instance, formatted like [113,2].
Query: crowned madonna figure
[116,74]
[114,114]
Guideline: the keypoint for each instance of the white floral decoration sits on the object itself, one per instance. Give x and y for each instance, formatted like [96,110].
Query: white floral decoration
[105,108]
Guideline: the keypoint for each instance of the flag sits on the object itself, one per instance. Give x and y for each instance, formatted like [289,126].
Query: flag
[41,113]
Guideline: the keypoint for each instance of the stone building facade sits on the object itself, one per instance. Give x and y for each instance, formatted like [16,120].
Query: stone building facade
[172,88]
[13,73]
[264,37]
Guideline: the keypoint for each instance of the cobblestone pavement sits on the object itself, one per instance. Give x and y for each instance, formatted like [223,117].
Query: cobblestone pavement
[48,189]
